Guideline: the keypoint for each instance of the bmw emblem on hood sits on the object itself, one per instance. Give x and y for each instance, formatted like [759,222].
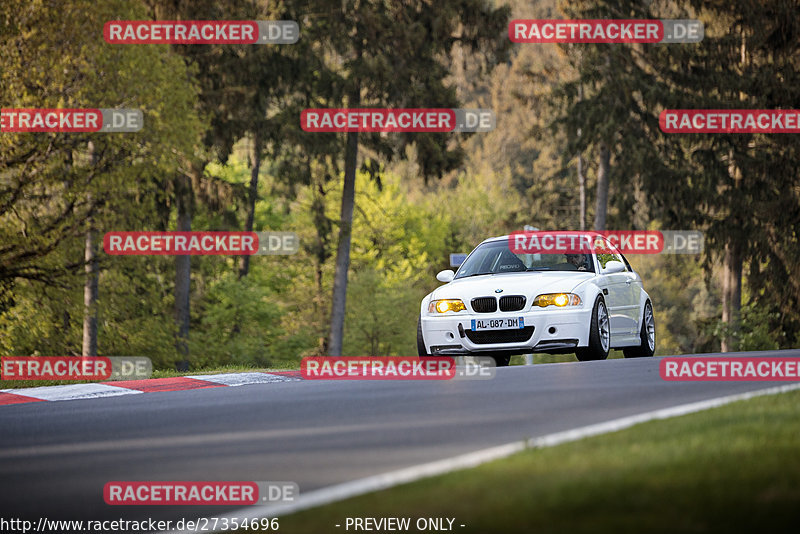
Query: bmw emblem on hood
[498,290]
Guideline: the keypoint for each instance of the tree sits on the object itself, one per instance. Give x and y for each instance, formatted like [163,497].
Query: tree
[56,189]
[223,79]
[606,104]
[91,284]
[388,55]
[281,81]
[740,188]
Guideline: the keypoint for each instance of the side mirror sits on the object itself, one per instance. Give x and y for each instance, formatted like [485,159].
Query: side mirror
[445,276]
[614,267]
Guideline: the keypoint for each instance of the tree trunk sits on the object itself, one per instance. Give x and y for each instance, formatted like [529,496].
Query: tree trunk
[321,255]
[731,295]
[732,260]
[252,196]
[732,271]
[582,191]
[581,176]
[603,170]
[90,286]
[90,292]
[183,270]
[338,306]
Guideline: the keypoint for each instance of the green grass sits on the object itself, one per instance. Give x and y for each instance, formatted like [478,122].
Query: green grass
[18,384]
[728,470]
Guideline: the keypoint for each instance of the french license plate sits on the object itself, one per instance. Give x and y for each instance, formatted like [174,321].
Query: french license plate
[509,323]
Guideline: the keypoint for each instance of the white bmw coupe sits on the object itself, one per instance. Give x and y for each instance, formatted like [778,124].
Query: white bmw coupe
[501,303]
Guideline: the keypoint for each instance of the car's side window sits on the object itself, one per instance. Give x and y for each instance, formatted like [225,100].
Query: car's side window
[603,259]
[627,264]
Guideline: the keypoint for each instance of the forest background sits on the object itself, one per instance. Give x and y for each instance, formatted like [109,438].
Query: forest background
[577,145]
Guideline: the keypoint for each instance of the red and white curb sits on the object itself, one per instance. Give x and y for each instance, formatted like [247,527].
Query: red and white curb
[133,387]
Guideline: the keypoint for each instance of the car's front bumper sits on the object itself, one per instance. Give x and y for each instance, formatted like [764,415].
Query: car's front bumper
[553,330]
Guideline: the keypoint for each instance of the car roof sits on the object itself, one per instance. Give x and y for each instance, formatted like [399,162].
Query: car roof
[490,239]
[505,237]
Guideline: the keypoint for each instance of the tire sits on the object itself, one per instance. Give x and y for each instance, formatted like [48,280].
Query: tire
[421,351]
[599,334]
[647,336]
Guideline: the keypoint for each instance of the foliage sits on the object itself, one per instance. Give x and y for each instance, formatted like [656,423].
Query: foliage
[214,107]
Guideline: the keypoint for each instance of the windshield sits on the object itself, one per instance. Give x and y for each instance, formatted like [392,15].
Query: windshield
[496,258]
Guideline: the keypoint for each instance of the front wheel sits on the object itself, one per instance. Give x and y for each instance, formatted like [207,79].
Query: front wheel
[421,351]
[647,336]
[599,334]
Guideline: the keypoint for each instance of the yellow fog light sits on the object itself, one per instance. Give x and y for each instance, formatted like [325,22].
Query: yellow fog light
[557,299]
[446,305]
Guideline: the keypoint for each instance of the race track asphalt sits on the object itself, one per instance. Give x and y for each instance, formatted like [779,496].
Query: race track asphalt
[55,457]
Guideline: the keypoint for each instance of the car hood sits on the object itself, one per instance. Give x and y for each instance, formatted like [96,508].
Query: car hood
[529,284]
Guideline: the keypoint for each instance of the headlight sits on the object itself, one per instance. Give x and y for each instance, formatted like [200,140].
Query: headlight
[557,299]
[446,305]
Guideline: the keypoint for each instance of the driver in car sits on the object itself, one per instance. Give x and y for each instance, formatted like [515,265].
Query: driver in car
[578,260]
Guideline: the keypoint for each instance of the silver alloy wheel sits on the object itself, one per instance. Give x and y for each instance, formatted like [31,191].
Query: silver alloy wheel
[602,326]
[650,325]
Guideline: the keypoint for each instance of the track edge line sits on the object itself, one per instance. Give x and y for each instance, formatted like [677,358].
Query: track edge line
[355,488]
